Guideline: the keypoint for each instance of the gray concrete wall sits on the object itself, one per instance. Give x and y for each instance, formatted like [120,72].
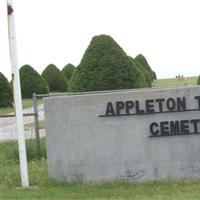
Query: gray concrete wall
[81,146]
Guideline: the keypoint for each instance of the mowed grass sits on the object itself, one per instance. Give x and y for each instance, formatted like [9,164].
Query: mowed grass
[9,150]
[26,103]
[44,188]
[41,125]
[173,82]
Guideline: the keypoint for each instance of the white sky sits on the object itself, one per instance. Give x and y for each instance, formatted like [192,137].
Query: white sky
[166,32]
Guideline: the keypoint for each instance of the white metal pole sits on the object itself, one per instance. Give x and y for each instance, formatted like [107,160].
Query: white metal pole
[17,95]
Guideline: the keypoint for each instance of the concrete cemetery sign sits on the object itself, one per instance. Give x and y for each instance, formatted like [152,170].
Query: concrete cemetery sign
[164,128]
[123,135]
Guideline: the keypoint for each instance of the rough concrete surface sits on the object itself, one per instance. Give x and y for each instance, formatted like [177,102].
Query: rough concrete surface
[81,146]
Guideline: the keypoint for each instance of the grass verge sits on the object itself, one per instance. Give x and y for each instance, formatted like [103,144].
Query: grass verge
[30,126]
[45,188]
[27,103]
[173,82]
[9,150]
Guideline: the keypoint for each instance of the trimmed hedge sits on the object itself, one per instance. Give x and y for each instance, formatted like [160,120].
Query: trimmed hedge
[31,82]
[105,66]
[142,60]
[139,74]
[55,79]
[6,97]
[68,70]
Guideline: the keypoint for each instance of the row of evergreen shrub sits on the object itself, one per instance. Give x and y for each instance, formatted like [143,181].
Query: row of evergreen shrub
[104,66]
[51,80]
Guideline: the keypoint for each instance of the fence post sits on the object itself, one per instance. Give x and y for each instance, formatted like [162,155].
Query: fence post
[36,123]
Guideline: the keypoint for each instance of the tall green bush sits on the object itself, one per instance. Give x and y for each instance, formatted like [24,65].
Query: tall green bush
[198,81]
[6,97]
[104,66]
[142,60]
[31,82]
[55,79]
[68,71]
[140,74]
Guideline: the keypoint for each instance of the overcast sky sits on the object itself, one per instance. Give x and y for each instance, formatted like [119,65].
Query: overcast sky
[166,32]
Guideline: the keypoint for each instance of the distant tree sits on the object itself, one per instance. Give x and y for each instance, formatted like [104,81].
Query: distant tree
[55,79]
[139,74]
[142,60]
[31,82]
[6,97]
[198,81]
[145,73]
[68,71]
[104,66]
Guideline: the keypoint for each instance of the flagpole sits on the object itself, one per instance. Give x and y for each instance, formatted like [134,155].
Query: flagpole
[17,95]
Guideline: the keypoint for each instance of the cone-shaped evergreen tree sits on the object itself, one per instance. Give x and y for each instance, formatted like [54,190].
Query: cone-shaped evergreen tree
[5,92]
[140,74]
[68,71]
[104,66]
[31,82]
[142,60]
[55,79]
[147,75]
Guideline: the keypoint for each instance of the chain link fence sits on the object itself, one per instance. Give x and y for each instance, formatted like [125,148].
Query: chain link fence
[38,108]
[8,127]
[34,122]
[34,125]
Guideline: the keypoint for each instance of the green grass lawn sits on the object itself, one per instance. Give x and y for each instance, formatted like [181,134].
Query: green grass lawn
[31,125]
[44,188]
[25,102]
[173,82]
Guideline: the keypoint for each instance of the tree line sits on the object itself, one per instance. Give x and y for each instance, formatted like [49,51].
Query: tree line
[51,80]
[104,66]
